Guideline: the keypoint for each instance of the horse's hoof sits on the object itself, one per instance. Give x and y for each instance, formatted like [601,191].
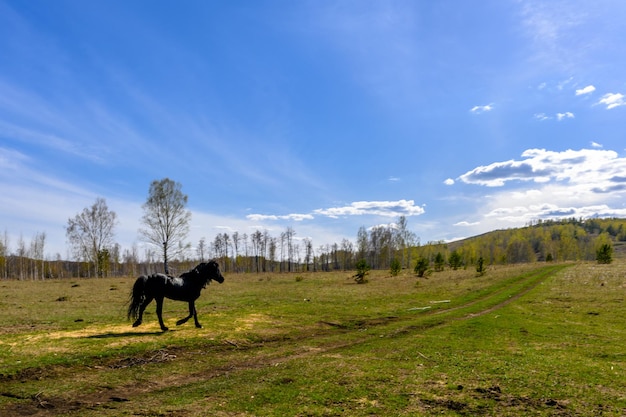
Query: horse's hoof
[137,323]
[198,326]
[164,329]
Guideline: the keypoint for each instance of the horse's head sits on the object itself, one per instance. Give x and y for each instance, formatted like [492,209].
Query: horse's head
[211,271]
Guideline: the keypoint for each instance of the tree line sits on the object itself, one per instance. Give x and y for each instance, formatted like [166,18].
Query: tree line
[165,226]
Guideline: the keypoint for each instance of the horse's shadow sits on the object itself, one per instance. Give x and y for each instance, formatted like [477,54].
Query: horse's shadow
[124,334]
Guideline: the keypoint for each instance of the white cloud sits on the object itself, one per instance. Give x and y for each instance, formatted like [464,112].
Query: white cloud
[573,183]
[559,116]
[384,226]
[594,168]
[449,181]
[466,224]
[612,100]
[295,217]
[564,83]
[525,195]
[596,145]
[481,109]
[357,208]
[550,26]
[586,90]
[524,214]
[377,208]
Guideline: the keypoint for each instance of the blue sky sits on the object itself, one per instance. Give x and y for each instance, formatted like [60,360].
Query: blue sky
[319,115]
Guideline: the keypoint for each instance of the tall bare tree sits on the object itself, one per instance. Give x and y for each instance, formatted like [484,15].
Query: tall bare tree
[308,253]
[288,239]
[166,219]
[201,249]
[4,255]
[21,253]
[91,234]
[37,255]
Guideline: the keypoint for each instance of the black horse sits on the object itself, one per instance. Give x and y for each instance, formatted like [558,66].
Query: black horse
[159,286]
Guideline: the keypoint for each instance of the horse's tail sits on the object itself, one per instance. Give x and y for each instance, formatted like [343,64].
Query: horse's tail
[137,296]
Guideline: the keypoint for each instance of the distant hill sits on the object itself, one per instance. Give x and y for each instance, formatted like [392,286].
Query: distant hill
[556,240]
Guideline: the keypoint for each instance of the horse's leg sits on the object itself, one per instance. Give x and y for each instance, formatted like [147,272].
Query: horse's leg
[159,310]
[191,310]
[195,314]
[142,308]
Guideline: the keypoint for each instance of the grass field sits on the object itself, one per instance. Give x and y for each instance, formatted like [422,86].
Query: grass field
[529,340]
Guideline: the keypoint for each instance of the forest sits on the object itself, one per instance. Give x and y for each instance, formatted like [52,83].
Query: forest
[381,247]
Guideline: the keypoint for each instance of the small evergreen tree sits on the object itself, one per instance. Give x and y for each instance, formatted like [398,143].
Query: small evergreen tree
[395,267]
[439,261]
[362,269]
[480,266]
[604,254]
[455,260]
[421,266]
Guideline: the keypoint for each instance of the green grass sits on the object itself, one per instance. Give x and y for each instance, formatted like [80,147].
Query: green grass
[537,340]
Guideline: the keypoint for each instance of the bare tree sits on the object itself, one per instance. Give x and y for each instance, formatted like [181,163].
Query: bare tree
[347,249]
[269,245]
[166,219]
[236,242]
[308,253]
[115,259]
[257,238]
[362,243]
[131,260]
[4,255]
[21,255]
[288,241]
[37,255]
[244,241]
[226,240]
[91,234]
[201,249]
[220,247]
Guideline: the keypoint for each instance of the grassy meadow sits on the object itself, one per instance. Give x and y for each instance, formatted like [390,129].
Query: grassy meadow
[527,340]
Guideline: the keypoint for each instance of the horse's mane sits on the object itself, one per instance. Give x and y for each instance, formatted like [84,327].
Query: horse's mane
[190,274]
